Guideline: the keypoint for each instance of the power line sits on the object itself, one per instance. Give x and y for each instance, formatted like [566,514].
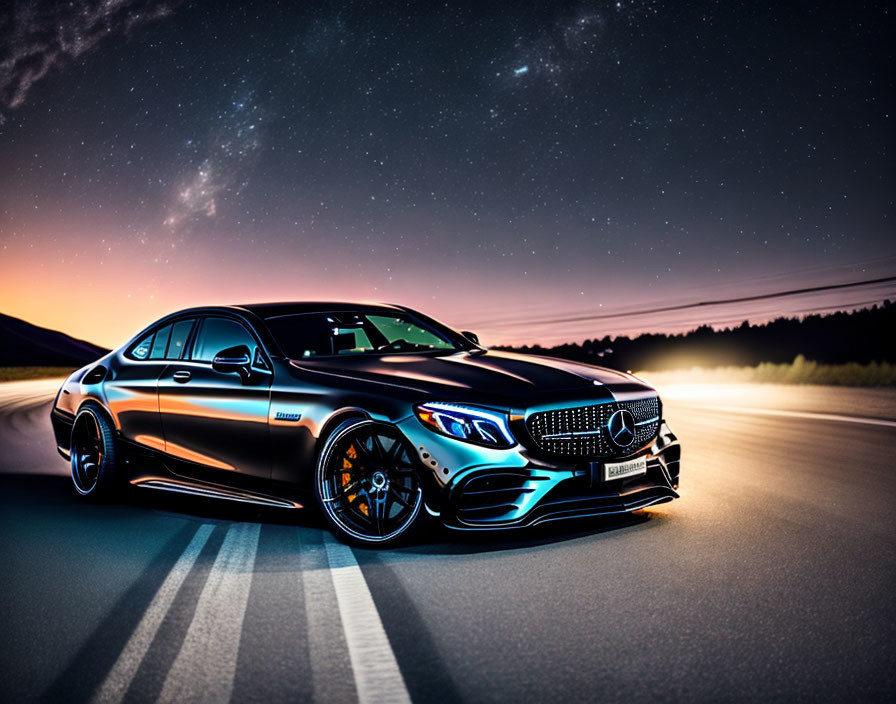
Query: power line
[703,304]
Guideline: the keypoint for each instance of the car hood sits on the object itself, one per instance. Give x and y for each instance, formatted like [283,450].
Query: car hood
[490,375]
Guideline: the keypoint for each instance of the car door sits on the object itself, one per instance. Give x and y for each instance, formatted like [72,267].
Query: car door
[217,422]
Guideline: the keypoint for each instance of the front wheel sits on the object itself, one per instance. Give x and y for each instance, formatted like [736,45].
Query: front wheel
[93,454]
[367,484]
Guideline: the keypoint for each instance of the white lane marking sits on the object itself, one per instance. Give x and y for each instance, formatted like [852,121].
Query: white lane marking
[119,678]
[327,650]
[377,676]
[794,414]
[206,664]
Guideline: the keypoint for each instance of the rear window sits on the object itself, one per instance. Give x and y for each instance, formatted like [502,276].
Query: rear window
[160,343]
[141,349]
[166,342]
[179,334]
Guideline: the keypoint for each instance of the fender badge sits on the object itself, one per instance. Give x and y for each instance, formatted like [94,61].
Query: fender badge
[280,415]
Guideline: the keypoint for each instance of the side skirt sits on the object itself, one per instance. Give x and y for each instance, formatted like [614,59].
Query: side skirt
[182,487]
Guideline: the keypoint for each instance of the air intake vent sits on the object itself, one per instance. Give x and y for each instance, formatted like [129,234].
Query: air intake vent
[491,496]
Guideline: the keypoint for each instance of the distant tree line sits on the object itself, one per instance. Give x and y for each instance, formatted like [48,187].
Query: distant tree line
[861,336]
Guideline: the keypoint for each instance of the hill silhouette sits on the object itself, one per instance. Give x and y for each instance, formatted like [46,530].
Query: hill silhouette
[861,336]
[24,344]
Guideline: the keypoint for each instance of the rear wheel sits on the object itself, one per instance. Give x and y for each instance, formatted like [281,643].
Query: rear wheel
[93,454]
[367,484]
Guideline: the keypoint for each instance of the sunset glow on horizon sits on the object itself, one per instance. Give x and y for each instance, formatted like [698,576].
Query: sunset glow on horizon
[106,294]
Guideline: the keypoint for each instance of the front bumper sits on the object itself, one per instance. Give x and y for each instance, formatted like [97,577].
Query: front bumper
[511,489]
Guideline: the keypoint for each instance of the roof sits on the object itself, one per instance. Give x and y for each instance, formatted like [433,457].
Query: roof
[270,310]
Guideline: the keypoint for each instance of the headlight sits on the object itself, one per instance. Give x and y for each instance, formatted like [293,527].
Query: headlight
[467,423]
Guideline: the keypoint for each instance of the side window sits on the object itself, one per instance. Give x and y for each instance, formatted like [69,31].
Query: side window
[160,343]
[217,334]
[141,349]
[179,334]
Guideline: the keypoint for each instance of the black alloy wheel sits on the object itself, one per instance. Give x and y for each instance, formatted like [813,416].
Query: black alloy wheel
[92,453]
[367,484]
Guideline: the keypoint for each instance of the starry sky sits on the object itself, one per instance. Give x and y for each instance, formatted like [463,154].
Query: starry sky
[528,170]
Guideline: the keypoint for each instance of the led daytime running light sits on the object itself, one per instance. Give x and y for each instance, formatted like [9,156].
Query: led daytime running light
[467,423]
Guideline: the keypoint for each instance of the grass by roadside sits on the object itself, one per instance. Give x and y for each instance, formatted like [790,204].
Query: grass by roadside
[799,371]
[23,373]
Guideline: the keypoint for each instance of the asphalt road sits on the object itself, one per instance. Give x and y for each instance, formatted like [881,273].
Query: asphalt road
[772,578]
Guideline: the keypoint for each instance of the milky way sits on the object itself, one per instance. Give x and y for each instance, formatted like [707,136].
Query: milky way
[226,152]
[36,36]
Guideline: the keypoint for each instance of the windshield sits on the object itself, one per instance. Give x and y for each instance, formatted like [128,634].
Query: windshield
[305,335]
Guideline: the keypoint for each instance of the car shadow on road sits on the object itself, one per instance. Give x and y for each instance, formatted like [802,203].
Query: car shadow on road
[56,490]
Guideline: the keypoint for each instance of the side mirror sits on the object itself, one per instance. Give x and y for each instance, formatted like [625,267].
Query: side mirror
[234,360]
[471,336]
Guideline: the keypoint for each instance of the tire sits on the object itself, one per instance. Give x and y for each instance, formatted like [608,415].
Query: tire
[367,485]
[93,455]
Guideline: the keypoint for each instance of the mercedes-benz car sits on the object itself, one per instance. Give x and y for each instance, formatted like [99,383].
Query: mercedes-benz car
[381,416]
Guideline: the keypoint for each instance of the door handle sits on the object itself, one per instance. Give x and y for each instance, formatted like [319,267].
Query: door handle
[182,377]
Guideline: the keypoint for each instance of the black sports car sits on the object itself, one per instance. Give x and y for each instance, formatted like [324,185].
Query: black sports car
[382,416]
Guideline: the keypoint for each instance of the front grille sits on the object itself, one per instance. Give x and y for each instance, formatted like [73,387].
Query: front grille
[582,431]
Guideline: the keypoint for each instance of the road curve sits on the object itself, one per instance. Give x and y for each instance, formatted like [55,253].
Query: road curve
[771,579]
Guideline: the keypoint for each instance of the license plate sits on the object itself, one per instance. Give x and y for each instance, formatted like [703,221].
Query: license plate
[620,470]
